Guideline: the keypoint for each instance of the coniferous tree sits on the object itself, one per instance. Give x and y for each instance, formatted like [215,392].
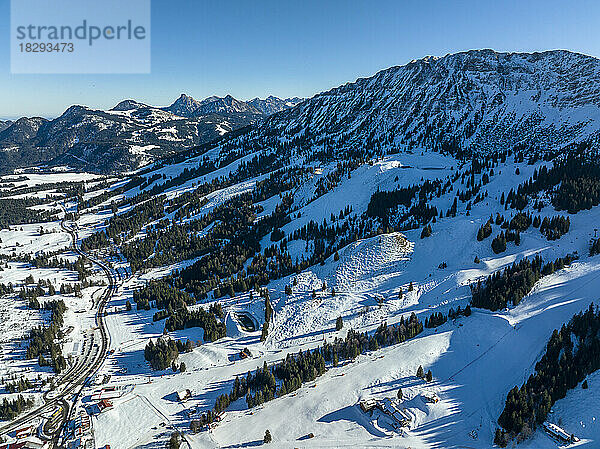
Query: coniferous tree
[563,365]
[510,285]
[268,310]
[426,232]
[500,438]
[484,231]
[267,438]
[265,331]
[174,441]
[499,243]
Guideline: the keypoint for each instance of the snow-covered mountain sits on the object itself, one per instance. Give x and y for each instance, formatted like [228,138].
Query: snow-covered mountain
[128,105]
[477,101]
[271,104]
[279,239]
[186,106]
[5,124]
[480,100]
[126,136]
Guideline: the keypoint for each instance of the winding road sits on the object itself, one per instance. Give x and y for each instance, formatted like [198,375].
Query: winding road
[70,384]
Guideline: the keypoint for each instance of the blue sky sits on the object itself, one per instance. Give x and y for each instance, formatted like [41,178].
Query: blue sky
[297,48]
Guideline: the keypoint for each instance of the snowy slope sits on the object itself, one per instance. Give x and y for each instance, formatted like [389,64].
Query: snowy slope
[480,100]
[475,360]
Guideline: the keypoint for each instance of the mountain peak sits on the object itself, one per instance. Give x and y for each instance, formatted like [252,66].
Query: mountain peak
[128,105]
[272,104]
[184,106]
[454,101]
[187,106]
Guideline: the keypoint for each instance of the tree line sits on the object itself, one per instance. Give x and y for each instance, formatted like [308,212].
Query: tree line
[513,283]
[10,409]
[573,183]
[42,340]
[172,304]
[164,352]
[572,353]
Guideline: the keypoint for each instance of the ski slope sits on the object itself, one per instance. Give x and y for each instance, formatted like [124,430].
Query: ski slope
[474,360]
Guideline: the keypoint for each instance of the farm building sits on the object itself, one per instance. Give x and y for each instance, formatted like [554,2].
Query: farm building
[104,404]
[387,406]
[368,405]
[23,433]
[184,395]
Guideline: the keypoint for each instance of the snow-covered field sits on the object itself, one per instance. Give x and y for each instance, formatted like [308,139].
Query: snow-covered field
[475,361]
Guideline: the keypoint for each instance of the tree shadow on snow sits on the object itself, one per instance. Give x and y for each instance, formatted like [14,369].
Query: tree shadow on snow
[171,397]
[254,443]
[392,386]
[136,364]
[352,414]
[497,357]
[209,394]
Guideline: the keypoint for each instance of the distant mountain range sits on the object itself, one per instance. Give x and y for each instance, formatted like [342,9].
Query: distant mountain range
[5,124]
[477,101]
[186,106]
[128,135]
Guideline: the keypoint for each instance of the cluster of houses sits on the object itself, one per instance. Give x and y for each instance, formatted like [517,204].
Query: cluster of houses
[400,416]
[25,438]
[77,429]
[77,432]
[104,398]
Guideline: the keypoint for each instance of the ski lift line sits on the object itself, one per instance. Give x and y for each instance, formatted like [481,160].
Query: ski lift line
[503,336]
[487,350]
